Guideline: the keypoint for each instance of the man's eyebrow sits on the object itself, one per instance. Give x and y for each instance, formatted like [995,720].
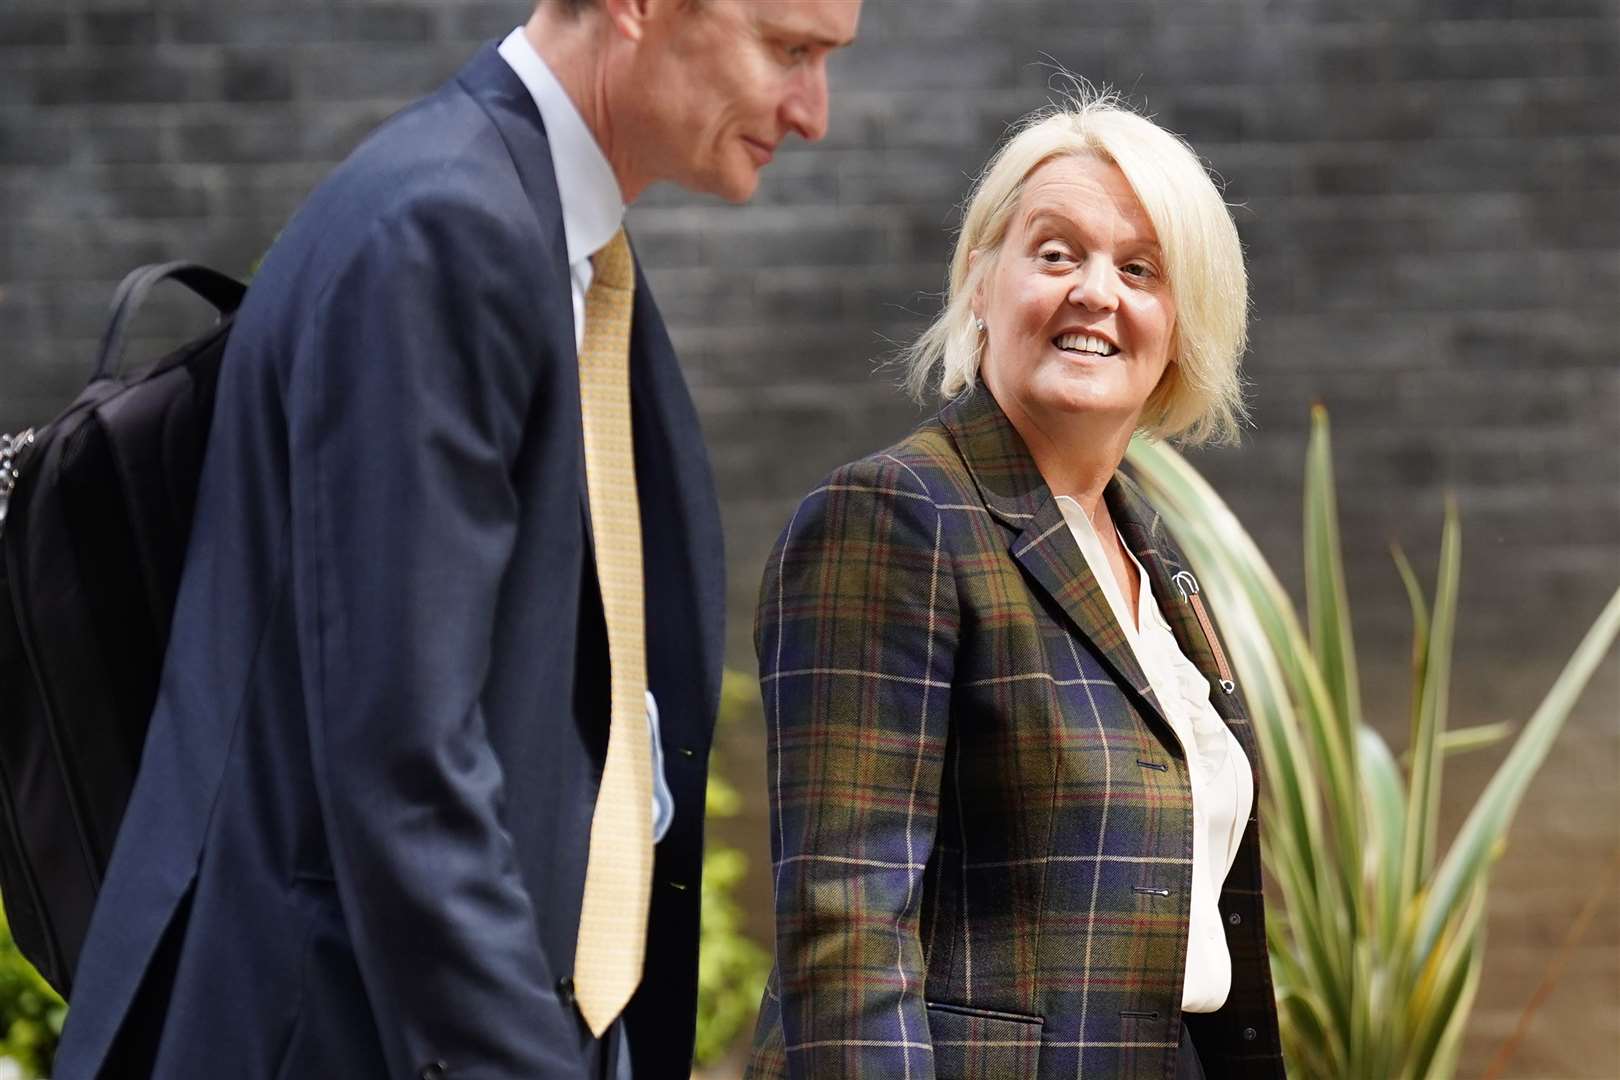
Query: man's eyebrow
[814,38]
[800,32]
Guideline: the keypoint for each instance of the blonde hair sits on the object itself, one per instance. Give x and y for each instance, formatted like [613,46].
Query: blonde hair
[1200,398]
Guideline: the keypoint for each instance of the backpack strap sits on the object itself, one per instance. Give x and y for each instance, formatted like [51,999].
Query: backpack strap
[224,292]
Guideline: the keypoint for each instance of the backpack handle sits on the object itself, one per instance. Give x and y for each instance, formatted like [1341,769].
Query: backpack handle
[224,292]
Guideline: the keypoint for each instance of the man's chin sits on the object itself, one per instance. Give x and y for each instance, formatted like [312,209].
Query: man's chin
[734,182]
[738,187]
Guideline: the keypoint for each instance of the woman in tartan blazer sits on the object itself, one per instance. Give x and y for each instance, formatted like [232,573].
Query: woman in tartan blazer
[982,812]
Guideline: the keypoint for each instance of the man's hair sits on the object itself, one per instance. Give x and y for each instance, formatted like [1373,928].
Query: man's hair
[1200,397]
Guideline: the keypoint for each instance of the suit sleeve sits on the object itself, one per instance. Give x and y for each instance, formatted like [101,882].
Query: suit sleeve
[856,633]
[407,401]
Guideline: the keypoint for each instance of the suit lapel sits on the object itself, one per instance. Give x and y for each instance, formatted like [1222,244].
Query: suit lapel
[1173,584]
[490,80]
[1047,551]
[682,544]
[1015,494]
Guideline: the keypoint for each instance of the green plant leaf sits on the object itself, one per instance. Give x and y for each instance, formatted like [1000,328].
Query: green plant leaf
[1420,617]
[1481,837]
[1462,740]
[1384,803]
[1444,987]
[1309,1039]
[1423,793]
[1332,642]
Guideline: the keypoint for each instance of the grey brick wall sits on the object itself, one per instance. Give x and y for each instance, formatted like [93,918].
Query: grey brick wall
[1429,198]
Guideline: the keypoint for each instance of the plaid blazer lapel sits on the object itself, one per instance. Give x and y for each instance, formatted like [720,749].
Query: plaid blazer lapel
[1016,495]
[1173,586]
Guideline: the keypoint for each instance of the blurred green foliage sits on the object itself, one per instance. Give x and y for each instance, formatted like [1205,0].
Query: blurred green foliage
[31,1014]
[731,967]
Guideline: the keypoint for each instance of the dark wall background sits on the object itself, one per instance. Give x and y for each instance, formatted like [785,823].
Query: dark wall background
[1429,193]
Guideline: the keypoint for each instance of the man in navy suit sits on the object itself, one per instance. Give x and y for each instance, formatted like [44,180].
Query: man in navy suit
[357,845]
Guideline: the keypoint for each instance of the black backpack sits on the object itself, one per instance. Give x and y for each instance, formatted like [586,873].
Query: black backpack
[95,511]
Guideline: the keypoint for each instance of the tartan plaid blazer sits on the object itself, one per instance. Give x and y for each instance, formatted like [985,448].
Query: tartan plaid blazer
[981,822]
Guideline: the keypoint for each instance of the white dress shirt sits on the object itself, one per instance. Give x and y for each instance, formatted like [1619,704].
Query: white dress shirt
[592,211]
[1222,785]
[592,204]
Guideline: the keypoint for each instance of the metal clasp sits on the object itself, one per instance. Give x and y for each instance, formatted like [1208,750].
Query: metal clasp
[1188,587]
[13,451]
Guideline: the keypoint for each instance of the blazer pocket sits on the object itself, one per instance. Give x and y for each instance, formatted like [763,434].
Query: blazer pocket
[980,1044]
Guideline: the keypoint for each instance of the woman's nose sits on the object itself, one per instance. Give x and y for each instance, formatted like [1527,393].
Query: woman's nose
[1097,286]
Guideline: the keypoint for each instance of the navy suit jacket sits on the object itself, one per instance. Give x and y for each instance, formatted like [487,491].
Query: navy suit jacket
[357,843]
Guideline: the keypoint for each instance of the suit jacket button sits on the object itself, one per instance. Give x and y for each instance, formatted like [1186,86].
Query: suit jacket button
[1235,919]
[565,990]
[1249,1034]
[434,1070]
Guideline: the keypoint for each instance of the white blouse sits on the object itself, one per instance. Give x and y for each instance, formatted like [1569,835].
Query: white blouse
[1222,784]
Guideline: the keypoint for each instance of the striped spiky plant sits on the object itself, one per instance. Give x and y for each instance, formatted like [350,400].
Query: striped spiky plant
[1377,943]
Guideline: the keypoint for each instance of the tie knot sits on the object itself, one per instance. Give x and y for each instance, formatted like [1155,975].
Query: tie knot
[614,265]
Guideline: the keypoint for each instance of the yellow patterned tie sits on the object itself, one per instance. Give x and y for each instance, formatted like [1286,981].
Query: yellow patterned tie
[618,877]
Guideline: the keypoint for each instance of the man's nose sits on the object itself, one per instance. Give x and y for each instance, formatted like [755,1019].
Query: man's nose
[805,108]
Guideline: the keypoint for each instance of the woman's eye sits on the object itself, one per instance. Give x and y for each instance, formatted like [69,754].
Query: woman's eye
[1141,270]
[797,53]
[1052,255]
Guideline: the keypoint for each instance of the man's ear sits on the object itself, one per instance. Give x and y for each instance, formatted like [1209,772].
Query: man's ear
[629,17]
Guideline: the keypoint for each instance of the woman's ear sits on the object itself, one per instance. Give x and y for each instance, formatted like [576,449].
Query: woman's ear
[977,302]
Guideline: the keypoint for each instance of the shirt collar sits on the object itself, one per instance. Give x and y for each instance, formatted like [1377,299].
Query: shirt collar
[1090,544]
[592,205]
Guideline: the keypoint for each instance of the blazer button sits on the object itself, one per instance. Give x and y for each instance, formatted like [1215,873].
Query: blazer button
[1249,1034]
[1235,919]
[434,1070]
[565,990]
